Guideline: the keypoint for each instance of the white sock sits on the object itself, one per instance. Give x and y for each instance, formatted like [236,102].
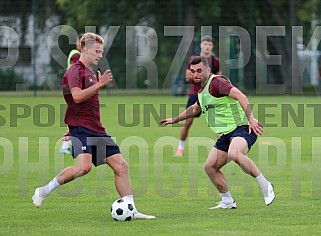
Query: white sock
[66,144]
[52,185]
[262,181]
[181,144]
[227,197]
[130,198]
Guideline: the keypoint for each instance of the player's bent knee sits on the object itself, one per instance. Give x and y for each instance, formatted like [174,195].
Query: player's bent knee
[85,169]
[233,156]
[209,169]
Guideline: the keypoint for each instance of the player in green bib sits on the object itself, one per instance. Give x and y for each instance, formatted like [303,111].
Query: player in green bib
[229,115]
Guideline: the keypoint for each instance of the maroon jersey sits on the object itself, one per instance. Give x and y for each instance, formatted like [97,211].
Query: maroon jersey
[87,113]
[220,87]
[214,63]
[74,58]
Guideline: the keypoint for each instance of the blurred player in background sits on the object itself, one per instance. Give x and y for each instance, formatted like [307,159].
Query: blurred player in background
[207,46]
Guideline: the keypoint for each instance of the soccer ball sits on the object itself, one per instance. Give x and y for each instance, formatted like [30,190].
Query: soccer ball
[122,210]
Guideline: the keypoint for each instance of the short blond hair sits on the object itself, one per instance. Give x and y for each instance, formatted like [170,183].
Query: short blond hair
[90,38]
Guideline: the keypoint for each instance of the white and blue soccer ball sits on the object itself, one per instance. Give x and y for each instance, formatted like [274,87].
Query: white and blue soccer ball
[122,210]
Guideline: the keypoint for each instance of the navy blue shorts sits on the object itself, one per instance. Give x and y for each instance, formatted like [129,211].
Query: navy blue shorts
[100,145]
[191,101]
[223,143]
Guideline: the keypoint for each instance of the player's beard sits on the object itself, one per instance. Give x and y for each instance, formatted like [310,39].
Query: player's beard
[197,80]
[204,80]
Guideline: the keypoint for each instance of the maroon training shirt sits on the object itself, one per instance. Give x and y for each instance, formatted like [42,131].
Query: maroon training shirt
[74,58]
[220,87]
[87,113]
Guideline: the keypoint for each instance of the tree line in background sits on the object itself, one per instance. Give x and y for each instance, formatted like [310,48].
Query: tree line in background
[157,14]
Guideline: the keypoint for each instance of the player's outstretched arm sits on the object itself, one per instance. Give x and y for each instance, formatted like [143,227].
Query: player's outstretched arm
[188,113]
[167,121]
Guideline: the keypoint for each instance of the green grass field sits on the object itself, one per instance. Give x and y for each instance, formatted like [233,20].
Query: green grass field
[175,190]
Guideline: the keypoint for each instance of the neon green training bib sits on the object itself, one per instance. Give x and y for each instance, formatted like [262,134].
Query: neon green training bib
[223,114]
[72,52]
